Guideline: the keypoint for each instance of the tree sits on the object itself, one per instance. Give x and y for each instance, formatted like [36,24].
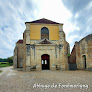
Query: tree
[10,59]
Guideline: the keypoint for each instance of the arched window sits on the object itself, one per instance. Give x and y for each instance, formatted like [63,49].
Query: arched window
[44,33]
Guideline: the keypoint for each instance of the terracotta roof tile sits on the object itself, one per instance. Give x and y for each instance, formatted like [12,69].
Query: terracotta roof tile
[20,41]
[43,20]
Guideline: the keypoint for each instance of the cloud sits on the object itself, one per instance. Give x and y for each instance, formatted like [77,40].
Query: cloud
[13,14]
[53,10]
[75,14]
[80,20]
[75,5]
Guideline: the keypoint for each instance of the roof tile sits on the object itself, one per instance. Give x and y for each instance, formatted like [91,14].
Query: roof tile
[43,20]
[20,41]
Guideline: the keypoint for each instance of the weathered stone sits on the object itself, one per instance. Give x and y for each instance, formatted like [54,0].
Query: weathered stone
[38,68]
[28,68]
[82,53]
[53,68]
[29,52]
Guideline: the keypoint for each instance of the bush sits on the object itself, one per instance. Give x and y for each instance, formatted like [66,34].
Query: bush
[68,55]
[10,59]
[6,62]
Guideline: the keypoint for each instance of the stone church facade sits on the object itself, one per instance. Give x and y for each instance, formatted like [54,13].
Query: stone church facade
[43,47]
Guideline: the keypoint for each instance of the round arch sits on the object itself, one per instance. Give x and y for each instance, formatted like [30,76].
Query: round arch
[44,33]
[45,62]
[84,61]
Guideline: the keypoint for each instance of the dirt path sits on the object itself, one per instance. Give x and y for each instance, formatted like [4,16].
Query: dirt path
[47,81]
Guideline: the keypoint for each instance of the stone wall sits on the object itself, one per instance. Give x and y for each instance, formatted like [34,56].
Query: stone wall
[18,55]
[15,58]
[82,53]
[72,57]
[55,52]
[72,60]
[28,54]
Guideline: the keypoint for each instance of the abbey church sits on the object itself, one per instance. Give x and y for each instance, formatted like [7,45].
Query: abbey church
[43,47]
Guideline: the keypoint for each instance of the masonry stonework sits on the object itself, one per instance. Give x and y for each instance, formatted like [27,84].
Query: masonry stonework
[40,54]
[82,53]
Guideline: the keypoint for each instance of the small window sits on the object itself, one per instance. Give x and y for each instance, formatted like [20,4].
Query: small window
[45,61]
[44,33]
[42,62]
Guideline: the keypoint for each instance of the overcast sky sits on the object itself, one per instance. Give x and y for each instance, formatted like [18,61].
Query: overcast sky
[75,14]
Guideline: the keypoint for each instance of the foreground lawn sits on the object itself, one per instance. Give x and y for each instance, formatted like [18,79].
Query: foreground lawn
[5,64]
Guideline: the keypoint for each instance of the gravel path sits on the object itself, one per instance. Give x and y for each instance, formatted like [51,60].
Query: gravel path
[47,81]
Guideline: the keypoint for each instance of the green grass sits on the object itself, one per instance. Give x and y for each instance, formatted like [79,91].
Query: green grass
[5,64]
[0,71]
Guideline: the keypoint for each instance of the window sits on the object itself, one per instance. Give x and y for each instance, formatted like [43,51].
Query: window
[44,33]
[42,62]
[45,61]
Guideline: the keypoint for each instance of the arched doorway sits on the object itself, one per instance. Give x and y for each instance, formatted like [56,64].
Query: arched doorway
[45,62]
[84,61]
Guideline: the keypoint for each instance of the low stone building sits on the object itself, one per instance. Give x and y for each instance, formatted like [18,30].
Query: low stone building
[43,47]
[81,55]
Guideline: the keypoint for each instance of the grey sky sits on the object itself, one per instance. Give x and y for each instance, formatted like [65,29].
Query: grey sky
[75,14]
[81,17]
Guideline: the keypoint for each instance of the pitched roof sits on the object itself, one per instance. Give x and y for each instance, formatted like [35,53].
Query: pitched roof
[44,21]
[20,41]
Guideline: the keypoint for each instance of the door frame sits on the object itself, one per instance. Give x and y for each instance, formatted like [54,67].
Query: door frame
[84,62]
[48,61]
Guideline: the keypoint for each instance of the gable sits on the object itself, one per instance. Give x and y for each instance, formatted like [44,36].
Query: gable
[45,41]
[43,21]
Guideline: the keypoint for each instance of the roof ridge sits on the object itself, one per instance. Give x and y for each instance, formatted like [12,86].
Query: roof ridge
[20,41]
[44,20]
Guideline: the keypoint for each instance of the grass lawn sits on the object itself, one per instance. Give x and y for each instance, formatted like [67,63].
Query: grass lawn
[4,64]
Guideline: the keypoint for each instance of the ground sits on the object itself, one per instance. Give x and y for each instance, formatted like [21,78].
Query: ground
[19,81]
